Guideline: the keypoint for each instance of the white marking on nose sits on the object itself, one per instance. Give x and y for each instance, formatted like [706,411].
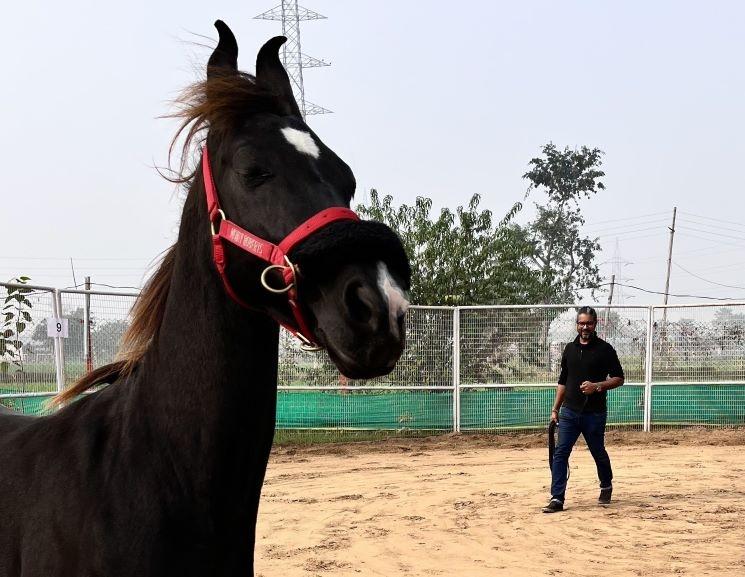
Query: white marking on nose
[301,140]
[398,304]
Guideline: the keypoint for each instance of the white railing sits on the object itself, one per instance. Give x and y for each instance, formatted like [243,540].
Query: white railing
[464,368]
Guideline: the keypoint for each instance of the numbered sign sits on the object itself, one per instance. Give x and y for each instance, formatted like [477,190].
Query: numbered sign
[57,327]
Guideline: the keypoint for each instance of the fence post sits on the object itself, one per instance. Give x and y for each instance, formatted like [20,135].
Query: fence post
[456,370]
[648,372]
[87,345]
[59,351]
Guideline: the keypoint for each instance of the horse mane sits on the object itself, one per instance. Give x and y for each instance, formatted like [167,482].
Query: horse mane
[215,104]
[147,316]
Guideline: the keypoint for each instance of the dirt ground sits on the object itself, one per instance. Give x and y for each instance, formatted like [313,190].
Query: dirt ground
[470,505]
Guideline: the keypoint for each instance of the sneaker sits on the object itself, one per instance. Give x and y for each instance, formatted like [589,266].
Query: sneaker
[554,506]
[605,494]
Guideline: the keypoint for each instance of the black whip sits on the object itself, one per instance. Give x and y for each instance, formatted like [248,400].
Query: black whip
[552,446]
[551,442]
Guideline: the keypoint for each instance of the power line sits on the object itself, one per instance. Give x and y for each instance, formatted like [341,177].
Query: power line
[633,231]
[709,250]
[714,219]
[37,276]
[672,295]
[641,236]
[625,218]
[716,226]
[707,280]
[625,226]
[664,256]
[712,250]
[688,235]
[116,287]
[77,286]
[740,264]
[714,233]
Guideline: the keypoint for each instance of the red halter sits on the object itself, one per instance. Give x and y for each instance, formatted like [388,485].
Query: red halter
[275,255]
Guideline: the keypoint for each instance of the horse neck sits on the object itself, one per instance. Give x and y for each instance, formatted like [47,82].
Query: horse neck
[209,382]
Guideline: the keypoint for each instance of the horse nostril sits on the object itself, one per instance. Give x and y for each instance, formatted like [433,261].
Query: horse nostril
[358,302]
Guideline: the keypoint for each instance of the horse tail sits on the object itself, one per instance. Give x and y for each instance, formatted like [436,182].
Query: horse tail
[105,374]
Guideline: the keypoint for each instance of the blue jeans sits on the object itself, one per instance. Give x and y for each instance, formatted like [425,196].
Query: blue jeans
[592,427]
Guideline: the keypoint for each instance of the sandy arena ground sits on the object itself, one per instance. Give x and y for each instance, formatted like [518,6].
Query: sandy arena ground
[470,506]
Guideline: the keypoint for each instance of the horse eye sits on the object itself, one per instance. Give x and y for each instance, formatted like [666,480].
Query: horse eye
[256,176]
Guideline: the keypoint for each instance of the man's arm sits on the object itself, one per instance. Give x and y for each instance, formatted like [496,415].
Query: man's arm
[589,388]
[558,400]
[560,388]
[615,377]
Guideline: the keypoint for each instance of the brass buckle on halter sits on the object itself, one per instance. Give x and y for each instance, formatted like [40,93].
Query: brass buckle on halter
[212,222]
[281,267]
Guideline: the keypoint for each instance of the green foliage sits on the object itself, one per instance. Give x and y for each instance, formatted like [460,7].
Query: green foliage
[461,257]
[564,257]
[465,258]
[15,319]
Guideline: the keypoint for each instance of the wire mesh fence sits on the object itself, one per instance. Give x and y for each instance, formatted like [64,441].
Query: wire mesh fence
[698,366]
[96,324]
[28,361]
[510,360]
[699,344]
[417,396]
[463,369]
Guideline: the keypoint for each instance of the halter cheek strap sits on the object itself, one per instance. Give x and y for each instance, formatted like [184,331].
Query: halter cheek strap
[223,229]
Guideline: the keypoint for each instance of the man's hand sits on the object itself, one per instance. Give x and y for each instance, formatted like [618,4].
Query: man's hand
[588,388]
[555,416]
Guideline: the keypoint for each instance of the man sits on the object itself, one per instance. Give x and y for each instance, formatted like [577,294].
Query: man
[589,368]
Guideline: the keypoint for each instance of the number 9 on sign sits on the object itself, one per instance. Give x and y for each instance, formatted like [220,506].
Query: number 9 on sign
[57,327]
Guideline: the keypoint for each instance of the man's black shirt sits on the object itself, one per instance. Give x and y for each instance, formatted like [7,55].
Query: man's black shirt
[593,362]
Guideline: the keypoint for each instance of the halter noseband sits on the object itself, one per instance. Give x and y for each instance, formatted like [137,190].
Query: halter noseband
[274,254]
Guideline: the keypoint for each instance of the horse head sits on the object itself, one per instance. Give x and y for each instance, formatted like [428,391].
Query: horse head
[347,279]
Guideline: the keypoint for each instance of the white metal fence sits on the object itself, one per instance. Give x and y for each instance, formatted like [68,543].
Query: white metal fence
[464,369]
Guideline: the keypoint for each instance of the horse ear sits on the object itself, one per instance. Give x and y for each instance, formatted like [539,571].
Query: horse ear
[272,76]
[225,57]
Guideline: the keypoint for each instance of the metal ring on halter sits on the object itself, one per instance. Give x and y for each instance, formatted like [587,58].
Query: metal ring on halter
[212,222]
[270,288]
[307,346]
[310,348]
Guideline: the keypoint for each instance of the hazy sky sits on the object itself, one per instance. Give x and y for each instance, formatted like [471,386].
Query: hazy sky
[440,99]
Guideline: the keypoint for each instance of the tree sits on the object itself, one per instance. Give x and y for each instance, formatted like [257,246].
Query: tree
[462,257]
[15,318]
[564,258]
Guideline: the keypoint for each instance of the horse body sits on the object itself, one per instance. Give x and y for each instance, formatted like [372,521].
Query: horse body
[188,434]
[160,473]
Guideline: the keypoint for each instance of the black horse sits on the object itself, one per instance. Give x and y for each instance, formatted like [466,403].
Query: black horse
[160,472]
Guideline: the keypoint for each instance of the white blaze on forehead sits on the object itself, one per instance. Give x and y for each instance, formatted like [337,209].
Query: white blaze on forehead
[303,141]
[398,304]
